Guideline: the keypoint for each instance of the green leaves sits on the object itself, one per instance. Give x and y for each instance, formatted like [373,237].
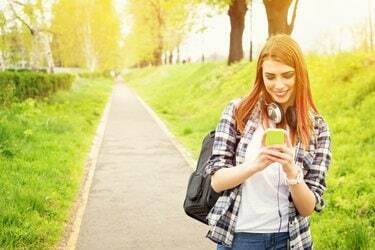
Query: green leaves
[86,34]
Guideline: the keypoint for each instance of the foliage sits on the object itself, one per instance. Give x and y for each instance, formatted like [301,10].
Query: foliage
[96,74]
[105,28]
[95,41]
[23,85]
[69,47]
[32,17]
[157,26]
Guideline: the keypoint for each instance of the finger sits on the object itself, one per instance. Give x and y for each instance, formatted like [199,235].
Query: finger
[276,147]
[275,159]
[274,152]
[283,156]
[278,160]
[263,138]
[282,148]
[287,139]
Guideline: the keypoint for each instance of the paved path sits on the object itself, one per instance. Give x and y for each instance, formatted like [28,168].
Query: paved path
[137,192]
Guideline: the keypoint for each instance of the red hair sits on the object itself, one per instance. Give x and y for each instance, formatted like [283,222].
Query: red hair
[284,49]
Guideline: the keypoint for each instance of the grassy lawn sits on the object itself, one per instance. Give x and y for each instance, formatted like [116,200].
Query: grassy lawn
[190,99]
[43,147]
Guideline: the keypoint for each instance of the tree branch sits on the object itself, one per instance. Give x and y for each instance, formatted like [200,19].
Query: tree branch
[32,31]
[18,2]
[157,9]
[291,25]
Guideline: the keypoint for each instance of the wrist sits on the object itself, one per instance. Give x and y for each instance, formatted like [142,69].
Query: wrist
[292,173]
[252,169]
[295,178]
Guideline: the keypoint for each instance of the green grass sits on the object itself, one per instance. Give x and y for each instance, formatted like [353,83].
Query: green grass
[190,99]
[43,147]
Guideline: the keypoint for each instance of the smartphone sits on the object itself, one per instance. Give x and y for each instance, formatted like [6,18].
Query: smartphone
[274,136]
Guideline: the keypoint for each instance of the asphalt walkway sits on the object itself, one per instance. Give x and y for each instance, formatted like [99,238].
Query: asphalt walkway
[137,192]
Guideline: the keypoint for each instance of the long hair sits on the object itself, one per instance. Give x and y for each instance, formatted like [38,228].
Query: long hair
[284,49]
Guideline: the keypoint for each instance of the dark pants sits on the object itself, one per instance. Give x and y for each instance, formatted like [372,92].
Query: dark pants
[258,241]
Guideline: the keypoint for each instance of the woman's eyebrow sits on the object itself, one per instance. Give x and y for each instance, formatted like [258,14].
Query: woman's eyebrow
[287,72]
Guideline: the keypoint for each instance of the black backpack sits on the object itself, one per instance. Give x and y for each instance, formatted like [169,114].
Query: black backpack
[200,197]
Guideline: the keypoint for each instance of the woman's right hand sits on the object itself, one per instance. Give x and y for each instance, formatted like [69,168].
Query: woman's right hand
[262,160]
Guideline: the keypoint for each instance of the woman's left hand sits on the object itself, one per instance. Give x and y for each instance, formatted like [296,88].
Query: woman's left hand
[283,153]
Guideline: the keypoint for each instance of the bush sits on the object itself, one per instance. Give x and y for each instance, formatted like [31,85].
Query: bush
[27,70]
[96,74]
[23,85]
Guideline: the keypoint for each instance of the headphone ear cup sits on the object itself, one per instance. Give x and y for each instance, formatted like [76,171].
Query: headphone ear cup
[291,117]
[275,112]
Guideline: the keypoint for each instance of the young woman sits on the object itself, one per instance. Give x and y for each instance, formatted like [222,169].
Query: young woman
[269,192]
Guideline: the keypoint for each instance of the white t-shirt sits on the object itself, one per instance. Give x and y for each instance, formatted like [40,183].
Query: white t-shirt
[258,211]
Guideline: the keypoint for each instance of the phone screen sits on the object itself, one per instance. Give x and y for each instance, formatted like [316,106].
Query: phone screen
[274,136]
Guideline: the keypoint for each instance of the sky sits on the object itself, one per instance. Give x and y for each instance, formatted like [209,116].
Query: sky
[320,25]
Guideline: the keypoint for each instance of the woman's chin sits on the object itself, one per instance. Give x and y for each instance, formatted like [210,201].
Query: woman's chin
[280,99]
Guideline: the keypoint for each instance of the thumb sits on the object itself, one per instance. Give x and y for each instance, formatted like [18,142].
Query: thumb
[287,139]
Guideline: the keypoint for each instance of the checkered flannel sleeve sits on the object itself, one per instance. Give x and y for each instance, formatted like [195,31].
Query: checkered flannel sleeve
[224,143]
[315,178]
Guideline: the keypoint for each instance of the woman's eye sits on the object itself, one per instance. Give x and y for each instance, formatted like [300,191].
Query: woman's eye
[288,76]
[270,77]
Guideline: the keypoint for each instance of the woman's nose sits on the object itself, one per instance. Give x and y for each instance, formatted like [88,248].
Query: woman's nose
[279,85]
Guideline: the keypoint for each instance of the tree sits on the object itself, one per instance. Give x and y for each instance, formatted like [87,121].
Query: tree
[277,16]
[15,41]
[105,34]
[142,43]
[95,42]
[2,40]
[33,17]
[69,47]
[177,22]
[236,12]
[158,28]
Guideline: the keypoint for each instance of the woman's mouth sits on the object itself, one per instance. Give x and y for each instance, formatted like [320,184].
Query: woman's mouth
[281,94]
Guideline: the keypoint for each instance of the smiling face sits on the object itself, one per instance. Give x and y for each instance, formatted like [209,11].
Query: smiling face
[279,80]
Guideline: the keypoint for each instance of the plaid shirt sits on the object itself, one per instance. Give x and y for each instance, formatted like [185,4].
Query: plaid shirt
[314,163]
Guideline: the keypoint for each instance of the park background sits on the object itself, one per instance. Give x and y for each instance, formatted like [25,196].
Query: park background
[58,60]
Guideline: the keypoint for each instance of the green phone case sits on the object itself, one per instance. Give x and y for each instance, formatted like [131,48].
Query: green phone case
[274,136]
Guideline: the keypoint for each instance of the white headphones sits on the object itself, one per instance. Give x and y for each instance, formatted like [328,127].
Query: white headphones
[275,113]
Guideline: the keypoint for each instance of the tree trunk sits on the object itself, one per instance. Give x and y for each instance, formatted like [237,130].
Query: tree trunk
[157,56]
[178,54]
[91,60]
[2,53]
[170,58]
[46,45]
[370,25]
[159,49]
[251,32]
[2,61]
[236,14]
[35,52]
[165,57]
[277,16]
